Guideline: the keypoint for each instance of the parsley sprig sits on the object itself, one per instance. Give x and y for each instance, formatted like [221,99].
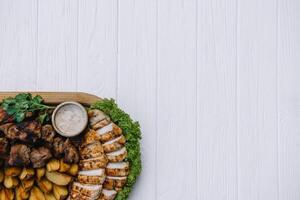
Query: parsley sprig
[132,132]
[22,104]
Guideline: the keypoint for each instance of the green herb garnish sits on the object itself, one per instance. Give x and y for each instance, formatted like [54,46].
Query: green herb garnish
[23,104]
[132,132]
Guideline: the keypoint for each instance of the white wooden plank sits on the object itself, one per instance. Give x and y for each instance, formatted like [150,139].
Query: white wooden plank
[289,99]
[97,47]
[57,45]
[217,98]
[137,82]
[18,39]
[176,128]
[257,91]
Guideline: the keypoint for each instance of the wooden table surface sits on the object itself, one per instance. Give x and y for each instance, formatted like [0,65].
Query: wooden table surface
[215,84]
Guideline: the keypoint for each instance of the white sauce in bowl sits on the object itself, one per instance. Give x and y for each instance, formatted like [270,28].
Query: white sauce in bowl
[69,119]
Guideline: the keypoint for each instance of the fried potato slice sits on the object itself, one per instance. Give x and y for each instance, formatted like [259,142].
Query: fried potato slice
[10,182]
[60,192]
[73,170]
[27,184]
[36,194]
[2,194]
[58,178]
[12,171]
[9,193]
[45,185]
[21,193]
[50,196]
[64,167]
[40,172]
[53,165]
[26,173]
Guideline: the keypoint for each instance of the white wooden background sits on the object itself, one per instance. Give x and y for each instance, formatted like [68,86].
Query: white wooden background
[215,84]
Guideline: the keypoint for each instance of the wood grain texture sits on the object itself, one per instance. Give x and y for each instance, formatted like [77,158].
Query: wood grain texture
[289,99]
[214,84]
[137,84]
[176,141]
[97,47]
[57,45]
[217,100]
[18,40]
[257,104]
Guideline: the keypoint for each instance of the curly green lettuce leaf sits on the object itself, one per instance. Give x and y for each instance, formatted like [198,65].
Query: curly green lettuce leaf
[132,132]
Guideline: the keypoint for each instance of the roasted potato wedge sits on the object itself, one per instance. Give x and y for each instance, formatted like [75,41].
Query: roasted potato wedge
[26,173]
[73,170]
[50,196]
[40,172]
[60,192]
[27,184]
[9,193]
[63,166]
[10,182]
[12,171]
[2,194]
[53,165]
[45,185]
[21,193]
[36,194]
[1,176]
[58,178]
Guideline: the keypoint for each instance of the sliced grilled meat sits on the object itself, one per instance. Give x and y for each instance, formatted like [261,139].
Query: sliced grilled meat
[31,127]
[40,156]
[4,147]
[19,155]
[65,148]
[48,133]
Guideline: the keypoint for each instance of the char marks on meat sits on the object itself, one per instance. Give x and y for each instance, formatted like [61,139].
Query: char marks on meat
[4,117]
[28,132]
[48,133]
[40,156]
[65,148]
[19,155]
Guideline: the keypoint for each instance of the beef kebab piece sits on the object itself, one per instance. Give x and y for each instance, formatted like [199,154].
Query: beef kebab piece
[28,132]
[64,148]
[5,117]
[4,147]
[19,155]
[40,156]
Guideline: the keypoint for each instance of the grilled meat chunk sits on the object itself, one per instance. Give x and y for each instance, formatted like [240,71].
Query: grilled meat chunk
[40,156]
[19,155]
[48,133]
[65,148]
[71,154]
[4,117]
[4,147]
[28,132]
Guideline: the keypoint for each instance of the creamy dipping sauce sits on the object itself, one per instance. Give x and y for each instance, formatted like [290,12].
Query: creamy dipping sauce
[69,119]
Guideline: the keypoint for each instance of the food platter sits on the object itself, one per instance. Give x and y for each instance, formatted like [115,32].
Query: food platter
[49,151]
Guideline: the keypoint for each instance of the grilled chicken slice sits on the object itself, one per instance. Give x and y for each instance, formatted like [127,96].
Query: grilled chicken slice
[96,116]
[101,124]
[114,144]
[117,156]
[109,132]
[19,155]
[85,191]
[117,169]
[92,151]
[93,163]
[114,183]
[107,194]
[94,177]
[40,156]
